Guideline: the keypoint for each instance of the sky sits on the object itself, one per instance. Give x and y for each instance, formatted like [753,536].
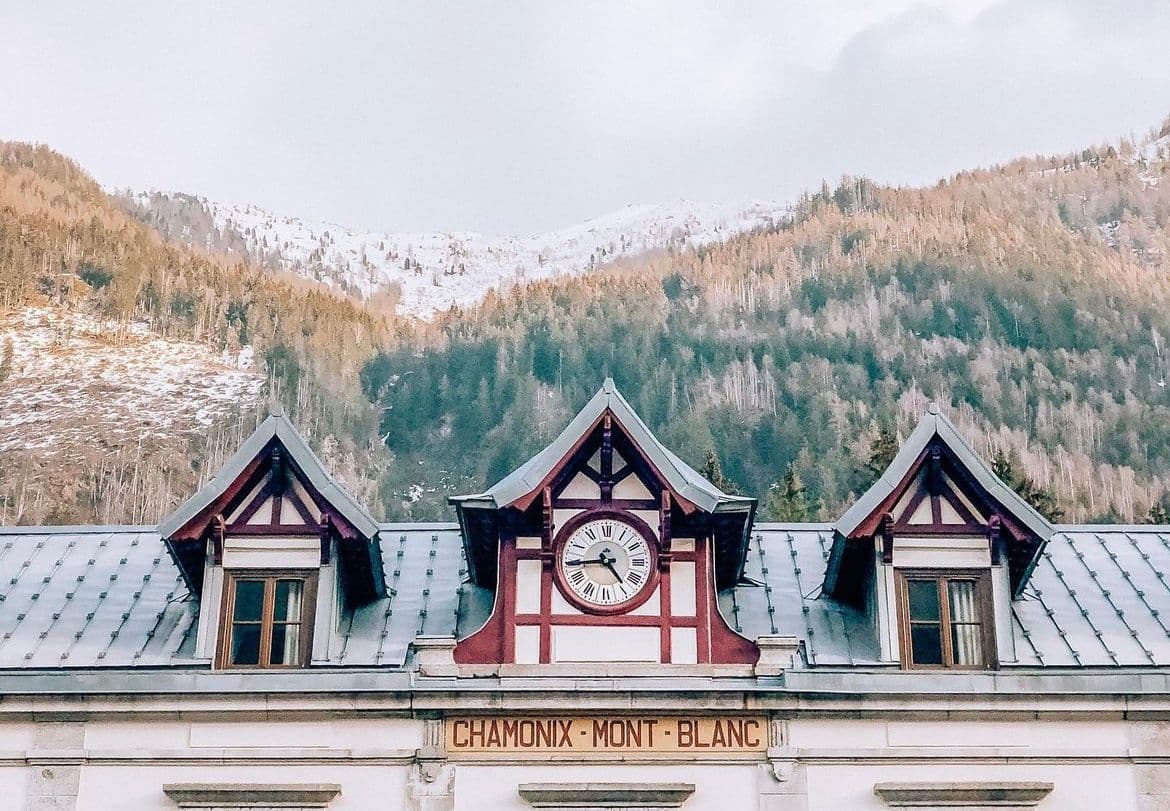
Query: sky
[511,117]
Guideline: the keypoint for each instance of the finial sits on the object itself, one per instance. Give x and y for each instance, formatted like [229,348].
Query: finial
[608,386]
[932,408]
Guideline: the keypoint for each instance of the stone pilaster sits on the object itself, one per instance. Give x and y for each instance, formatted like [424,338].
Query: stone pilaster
[55,766]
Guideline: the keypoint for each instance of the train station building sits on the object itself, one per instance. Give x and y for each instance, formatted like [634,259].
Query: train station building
[603,628]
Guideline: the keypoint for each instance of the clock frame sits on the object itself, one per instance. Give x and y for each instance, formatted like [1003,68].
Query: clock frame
[587,517]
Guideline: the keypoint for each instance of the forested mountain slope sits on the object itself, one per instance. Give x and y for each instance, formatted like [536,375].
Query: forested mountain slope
[129,366]
[1030,299]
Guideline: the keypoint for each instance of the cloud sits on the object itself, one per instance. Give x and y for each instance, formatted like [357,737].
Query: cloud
[526,116]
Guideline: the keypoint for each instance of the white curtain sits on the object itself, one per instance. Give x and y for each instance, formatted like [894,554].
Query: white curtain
[292,613]
[965,630]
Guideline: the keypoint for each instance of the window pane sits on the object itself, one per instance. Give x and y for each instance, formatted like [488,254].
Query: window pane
[288,601]
[923,600]
[286,645]
[967,642]
[245,644]
[249,600]
[926,644]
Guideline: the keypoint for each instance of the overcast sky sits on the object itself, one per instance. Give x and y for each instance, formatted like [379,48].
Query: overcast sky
[517,117]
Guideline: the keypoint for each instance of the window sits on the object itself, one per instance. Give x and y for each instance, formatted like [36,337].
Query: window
[946,619]
[267,620]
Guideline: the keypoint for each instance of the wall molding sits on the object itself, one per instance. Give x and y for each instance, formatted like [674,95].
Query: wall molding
[606,795]
[258,795]
[963,794]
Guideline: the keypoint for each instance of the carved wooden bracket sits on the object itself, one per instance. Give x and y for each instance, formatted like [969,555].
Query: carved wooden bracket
[606,483]
[218,535]
[995,538]
[886,530]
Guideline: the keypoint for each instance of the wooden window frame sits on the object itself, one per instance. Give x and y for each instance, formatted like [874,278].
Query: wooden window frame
[308,577]
[983,597]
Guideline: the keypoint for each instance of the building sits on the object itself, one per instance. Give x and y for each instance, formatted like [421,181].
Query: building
[602,629]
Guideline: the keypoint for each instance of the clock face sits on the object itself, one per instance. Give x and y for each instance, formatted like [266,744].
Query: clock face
[605,563]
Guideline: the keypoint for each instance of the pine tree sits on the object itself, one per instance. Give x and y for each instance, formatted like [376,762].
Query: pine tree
[1157,514]
[712,471]
[882,451]
[787,498]
[1045,502]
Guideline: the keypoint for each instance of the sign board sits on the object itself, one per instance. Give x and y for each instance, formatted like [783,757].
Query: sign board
[678,736]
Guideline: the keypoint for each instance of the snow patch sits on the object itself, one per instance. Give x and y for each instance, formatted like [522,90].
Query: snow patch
[433,272]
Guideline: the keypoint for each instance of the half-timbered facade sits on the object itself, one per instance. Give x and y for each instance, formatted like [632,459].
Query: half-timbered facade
[603,628]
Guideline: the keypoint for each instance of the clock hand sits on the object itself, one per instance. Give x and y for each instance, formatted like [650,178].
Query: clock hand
[609,565]
[583,562]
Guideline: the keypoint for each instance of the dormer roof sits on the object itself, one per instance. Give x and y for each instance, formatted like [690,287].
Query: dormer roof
[276,427]
[520,487]
[336,513]
[727,517]
[935,431]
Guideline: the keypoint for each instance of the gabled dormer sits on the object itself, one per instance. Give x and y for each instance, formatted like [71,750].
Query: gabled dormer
[936,550]
[605,547]
[276,549]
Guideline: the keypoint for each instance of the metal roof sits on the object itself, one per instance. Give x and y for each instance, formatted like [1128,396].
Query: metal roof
[685,480]
[1098,597]
[110,597]
[275,426]
[84,597]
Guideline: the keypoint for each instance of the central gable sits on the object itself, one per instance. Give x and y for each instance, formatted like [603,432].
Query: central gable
[605,546]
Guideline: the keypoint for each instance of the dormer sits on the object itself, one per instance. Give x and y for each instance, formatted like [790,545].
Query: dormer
[605,547]
[276,550]
[936,550]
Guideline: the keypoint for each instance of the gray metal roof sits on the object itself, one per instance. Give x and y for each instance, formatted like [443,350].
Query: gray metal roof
[935,424]
[1098,597]
[83,597]
[110,597]
[684,479]
[276,426]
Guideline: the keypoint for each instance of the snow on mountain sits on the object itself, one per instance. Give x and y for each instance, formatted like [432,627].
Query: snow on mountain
[69,374]
[435,271]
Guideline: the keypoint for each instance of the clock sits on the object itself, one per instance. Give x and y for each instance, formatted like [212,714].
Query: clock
[606,563]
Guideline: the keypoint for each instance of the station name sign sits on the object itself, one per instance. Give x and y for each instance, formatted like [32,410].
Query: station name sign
[620,734]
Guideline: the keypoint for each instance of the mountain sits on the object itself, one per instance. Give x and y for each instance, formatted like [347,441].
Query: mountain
[1029,299]
[426,273]
[129,366]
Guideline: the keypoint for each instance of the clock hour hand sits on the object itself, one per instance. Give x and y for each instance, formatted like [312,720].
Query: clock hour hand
[583,562]
[609,565]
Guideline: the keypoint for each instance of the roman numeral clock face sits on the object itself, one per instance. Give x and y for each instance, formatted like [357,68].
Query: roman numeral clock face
[606,563]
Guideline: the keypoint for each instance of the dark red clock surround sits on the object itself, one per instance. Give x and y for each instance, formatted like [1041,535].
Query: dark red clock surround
[579,520]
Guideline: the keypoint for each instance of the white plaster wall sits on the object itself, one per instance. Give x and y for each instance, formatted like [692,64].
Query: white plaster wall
[717,787]
[156,735]
[682,588]
[943,552]
[1109,737]
[528,586]
[609,643]
[246,552]
[14,779]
